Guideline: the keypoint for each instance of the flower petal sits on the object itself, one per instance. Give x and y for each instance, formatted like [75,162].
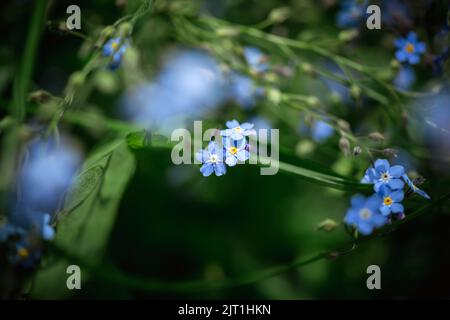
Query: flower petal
[396,183]
[397,208]
[207,169]
[397,196]
[396,171]
[232,124]
[220,169]
[231,160]
[382,165]
[385,210]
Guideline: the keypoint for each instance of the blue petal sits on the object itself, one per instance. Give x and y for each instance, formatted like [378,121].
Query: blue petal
[378,220]
[382,165]
[385,210]
[396,184]
[401,55]
[220,169]
[232,124]
[397,196]
[365,228]
[231,160]
[243,155]
[422,193]
[397,208]
[207,169]
[378,186]
[420,47]
[413,59]
[396,171]
[358,201]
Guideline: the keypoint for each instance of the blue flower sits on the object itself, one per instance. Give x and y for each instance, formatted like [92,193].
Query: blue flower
[189,86]
[244,91]
[115,49]
[212,160]
[25,255]
[414,188]
[237,131]
[256,59]
[405,78]
[321,131]
[235,150]
[391,201]
[383,174]
[364,213]
[409,49]
[47,173]
[351,13]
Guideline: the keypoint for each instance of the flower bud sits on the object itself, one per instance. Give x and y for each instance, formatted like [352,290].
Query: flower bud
[376,136]
[344,145]
[355,91]
[357,150]
[327,225]
[279,15]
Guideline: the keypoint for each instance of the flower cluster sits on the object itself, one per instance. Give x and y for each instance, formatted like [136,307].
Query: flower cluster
[234,148]
[115,48]
[43,179]
[366,214]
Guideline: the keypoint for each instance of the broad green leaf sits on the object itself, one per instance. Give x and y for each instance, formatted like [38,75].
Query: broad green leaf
[85,223]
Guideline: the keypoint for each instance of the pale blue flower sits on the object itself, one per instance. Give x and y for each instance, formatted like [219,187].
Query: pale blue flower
[351,14]
[321,131]
[391,201]
[244,91]
[383,174]
[212,159]
[409,49]
[405,78]
[115,49]
[364,214]
[237,131]
[256,59]
[235,150]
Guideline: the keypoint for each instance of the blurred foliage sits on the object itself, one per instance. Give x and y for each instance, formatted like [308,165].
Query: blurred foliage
[141,227]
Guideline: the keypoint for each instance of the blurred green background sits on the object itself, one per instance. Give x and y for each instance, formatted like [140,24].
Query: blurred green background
[172,225]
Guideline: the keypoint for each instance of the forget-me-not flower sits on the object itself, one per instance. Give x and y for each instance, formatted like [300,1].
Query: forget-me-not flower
[351,13]
[244,91]
[391,200]
[237,131]
[235,150]
[364,213]
[256,59]
[405,78]
[321,131]
[383,174]
[409,49]
[115,49]
[212,159]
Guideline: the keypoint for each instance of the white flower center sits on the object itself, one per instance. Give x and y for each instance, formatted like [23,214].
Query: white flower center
[365,214]
[385,177]
[213,158]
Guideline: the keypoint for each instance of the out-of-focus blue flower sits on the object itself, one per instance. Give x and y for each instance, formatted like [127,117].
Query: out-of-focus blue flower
[409,49]
[238,131]
[212,159]
[321,131]
[235,150]
[364,213]
[115,49]
[384,174]
[256,59]
[189,86]
[351,13]
[25,256]
[405,78]
[23,219]
[391,201]
[337,89]
[396,14]
[260,123]
[47,173]
[414,188]
[244,91]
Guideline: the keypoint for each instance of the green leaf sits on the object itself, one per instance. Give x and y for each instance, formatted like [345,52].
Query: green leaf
[85,223]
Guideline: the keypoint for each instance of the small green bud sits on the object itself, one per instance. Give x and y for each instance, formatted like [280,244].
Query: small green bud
[308,69]
[327,225]
[313,101]
[355,91]
[279,15]
[274,95]
[348,35]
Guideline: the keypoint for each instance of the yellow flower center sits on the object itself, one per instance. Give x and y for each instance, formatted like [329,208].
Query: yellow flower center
[238,129]
[410,48]
[23,252]
[115,45]
[233,150]
[387,201]
[365,214]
